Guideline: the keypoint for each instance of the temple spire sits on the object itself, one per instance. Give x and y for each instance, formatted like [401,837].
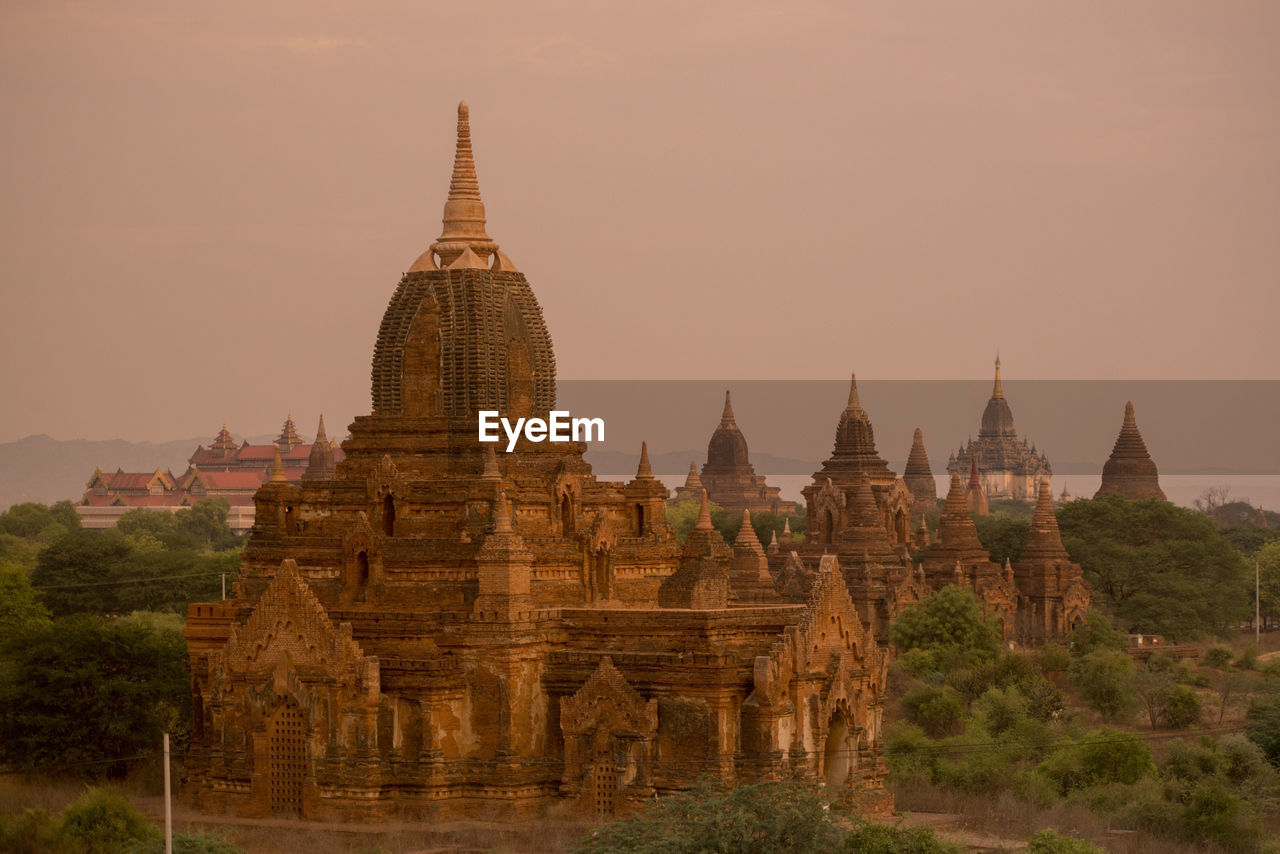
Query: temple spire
[854,404]
[320,465]
[726,417]
[704,515]
[277,468]
[644,471]
[997,390]
[464,216]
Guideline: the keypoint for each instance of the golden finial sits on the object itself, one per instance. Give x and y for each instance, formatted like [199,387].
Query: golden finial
[998,391]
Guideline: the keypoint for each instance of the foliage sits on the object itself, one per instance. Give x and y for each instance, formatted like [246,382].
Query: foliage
[102,822]
[1268,566]
[202,527]
[938,711]
[764,524]
[1003,537]
[683,516]
[1054,657]
[950,619]
[199,842]
[1102,756]
[878,839]
[83,696]
[1263,729]
[1182,708]
[1219,786]
[19,606]
[1104,680]
[1051,842]
[763,818]
[1158,567]
[1218,656]
[1248,539]
[37,522]
[31,831]
[1093,633]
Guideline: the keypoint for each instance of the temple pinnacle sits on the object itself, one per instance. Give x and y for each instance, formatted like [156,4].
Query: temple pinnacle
[277,468]
[704,515]
[854,404]
[644,471]
[464,217]
[726,417]
[998,390]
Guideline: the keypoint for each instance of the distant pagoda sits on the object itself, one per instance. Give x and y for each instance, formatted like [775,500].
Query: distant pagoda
[1007,465]
[730,479]
[918,477]
[1130,472]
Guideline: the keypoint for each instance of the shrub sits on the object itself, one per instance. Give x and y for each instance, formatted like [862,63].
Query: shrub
[1094,633]
[1182,708]
[1054,657]
[1218,655]
[1263,729]
[1248,659]
[1102,756]
[909,752]
[938,711]
[878,839]
[1002,710]
[1050,842]
[1104,679]
[31,831]
[102,822]
[199,842]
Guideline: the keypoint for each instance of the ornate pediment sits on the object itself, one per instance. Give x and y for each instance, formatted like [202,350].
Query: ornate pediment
[289,625]
[606,702]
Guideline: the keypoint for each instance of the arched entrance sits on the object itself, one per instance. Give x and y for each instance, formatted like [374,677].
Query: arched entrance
[838,754]
[829,529]
[604,781]
[389,515]
[286,760]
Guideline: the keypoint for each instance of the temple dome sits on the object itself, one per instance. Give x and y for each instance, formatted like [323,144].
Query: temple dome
[997,418]
[465,333]
[728,447]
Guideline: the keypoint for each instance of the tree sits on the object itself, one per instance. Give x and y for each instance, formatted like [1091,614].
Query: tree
[75,573]
[81,695]
[1268,568]
[19,605]
[1211,499]
[683,516]
[1159,568]
[950,619]
[763,818]
[1003,537]
[1104,680]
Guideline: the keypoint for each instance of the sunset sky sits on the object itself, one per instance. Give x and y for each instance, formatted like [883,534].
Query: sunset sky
[205,208]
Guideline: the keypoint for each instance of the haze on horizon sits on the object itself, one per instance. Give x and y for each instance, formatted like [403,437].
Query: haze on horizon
[205,210]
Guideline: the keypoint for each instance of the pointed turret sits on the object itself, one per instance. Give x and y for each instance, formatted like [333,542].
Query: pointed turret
[464,216]
[321,465]
[747,538]
[704,515]
[918,477]
[490,472]
[726,417]
[854,451]
[277,469]
[693,481]
[644,471]
[973,493]
[865,532]
[289,437]
[729,477]
[1044,541]
[957,537]
[224,445]
[1130,472]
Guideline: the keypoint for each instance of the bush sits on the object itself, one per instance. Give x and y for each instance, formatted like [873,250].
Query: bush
[192,843]
[1182,708]
[1002,710]
[878,839]
[759,819]
[1049,842]
[29,832]
[102,822]
[1263,729]
[952,618]
[1054,657]
[938,711]
[1104,679]
[1103,756]
[1218,656]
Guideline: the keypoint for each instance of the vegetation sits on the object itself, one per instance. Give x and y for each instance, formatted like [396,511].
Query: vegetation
[1156,567]
[764,818]
[683,516]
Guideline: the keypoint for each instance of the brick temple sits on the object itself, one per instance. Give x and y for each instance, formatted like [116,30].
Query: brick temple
[1008,467]
[427,628]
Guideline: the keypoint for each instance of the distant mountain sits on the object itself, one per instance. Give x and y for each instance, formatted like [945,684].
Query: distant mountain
[43,469]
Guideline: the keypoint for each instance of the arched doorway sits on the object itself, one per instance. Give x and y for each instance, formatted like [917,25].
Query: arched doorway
[604,780]
[566,514]
[286,760]
[600,568]
[829,529]
[838,758]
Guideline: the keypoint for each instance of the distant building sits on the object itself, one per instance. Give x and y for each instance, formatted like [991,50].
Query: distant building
[222,470]
[730,479]
[1007,467]
[1130,472]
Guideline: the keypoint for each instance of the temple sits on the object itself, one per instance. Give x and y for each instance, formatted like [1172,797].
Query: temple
[1130,472]
[1053,596]
[225,470]
[425,628]
[728,476]
[1008,468]
[918,477]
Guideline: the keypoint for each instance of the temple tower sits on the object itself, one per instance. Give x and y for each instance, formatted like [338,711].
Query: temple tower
[1130,472]
[1053,596]
[918,477]
[1008,466]
[730,479]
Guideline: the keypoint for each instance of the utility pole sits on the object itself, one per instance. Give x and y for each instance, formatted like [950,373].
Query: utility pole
[224,587]
[168,807]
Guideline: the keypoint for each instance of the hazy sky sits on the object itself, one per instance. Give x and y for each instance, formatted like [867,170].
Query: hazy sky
[204,208]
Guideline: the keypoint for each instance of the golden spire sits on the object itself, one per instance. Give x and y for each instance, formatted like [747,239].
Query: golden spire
[464,218]
[644,471]
[277,468]
[704,515]
[854,404]
[998,391]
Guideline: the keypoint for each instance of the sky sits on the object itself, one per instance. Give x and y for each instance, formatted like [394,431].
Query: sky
[204,208]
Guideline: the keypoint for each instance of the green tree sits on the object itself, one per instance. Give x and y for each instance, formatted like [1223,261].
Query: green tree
[76,572]
[19,605]
[683,516]
[1101,756]
[951,619]
[103,822]
[1158,567]
[761,818]
[1003,537]
[1052,842]
[1093,633]
[1104,680]
[1268,568]
[85,696]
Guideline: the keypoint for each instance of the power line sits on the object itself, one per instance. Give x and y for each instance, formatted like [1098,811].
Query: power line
[147,580]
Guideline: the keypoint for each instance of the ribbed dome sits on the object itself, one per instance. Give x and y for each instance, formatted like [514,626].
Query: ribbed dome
[728,447]
[997,419]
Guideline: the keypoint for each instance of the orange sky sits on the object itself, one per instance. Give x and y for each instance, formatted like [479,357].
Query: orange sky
[205,209]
